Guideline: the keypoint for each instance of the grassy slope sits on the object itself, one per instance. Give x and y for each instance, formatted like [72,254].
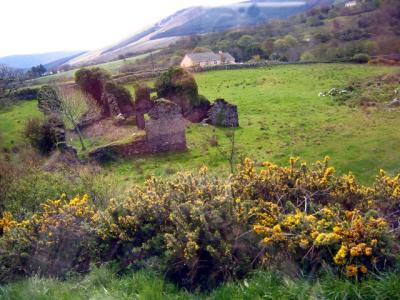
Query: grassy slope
[282,115]
[112,67]
[104,284]
[12,122]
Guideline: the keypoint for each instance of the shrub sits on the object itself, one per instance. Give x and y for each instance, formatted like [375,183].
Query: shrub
[307,57]
[202,230]
[361,58]
[48,101]
[26,94]
[300,185]
[349,242]
[53,242]
[177,82]
[194,220]
[41,135]
[27,186]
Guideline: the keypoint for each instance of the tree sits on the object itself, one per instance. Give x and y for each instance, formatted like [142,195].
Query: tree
[73,105]
[285,43]
[245,41]
[307,57]
[228,152]
[37,71]
[10,79]
[201,50]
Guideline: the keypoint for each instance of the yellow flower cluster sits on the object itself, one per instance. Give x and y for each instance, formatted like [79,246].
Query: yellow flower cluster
[346,239]
[7,222]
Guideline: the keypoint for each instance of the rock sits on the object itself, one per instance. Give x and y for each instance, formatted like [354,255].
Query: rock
[394,103]
[119,120]
[223,114]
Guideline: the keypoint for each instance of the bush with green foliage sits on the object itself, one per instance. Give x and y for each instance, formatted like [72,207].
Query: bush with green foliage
[41,135]
[361,58]
[203,231]
[48,101]
[177,83]
[26,94]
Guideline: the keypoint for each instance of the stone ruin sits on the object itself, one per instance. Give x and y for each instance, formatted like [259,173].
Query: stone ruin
[165,131]
[118,107]
[143,104]
[223,114]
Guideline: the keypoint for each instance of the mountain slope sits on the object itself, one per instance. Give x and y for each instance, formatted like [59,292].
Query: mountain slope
[199,20]
[30,60]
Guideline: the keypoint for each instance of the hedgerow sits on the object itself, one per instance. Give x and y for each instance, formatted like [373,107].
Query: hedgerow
[206,230]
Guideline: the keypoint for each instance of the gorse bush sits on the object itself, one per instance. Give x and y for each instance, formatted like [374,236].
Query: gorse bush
[204,230]
[351,243]
[53,242]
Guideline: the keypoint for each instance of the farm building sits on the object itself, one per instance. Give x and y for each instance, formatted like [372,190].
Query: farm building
[351,3]
[206,59]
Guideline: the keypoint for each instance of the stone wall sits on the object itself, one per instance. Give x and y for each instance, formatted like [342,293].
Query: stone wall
[223,114]
[165,132]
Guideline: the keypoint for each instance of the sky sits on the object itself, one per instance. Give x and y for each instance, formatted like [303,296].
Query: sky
[39,26]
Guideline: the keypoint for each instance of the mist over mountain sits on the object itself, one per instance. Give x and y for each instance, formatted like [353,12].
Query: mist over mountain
[199,20]
[29,60]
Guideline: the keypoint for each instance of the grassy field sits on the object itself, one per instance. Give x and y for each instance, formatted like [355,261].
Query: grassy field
[280,115]
[12,122]
[146,285]
[112,67]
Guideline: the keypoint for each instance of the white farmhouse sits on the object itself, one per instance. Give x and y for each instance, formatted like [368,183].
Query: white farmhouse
[206,59]
[351,4]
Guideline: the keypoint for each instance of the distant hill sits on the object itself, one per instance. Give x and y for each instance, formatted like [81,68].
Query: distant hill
[30,60]
[324,33]
[199,20]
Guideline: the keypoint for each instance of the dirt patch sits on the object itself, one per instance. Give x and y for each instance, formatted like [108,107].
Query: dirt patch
[108,131]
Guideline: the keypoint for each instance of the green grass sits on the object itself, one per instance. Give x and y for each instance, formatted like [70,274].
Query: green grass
[281,115]
[112,67]
[104,284]
[12,122]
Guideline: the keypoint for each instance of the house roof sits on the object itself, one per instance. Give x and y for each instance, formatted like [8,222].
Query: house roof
[201,57]
[228,56]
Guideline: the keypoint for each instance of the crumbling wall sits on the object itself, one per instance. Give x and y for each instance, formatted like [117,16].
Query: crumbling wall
[166,130]
[223,114]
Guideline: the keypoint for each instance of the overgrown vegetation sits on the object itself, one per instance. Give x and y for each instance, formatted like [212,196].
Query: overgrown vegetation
[201,230]
[206,231]
[178,83]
